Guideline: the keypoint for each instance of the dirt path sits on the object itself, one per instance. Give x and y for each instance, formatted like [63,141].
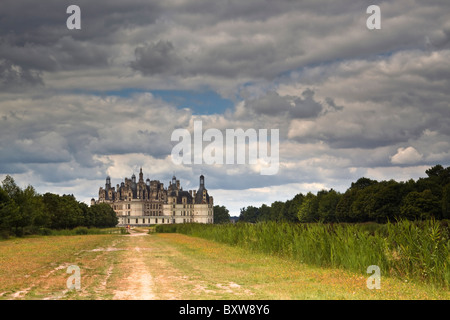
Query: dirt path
[138,283]
[150,268]
[148,272]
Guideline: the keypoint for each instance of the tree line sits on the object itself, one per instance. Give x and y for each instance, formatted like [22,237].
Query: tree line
[24,211]
[365,200]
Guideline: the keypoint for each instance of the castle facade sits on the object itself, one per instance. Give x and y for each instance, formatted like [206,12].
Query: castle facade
[139,203]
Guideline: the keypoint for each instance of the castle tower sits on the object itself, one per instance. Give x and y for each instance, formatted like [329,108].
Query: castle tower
[202,181]
[201,196]
[141,176]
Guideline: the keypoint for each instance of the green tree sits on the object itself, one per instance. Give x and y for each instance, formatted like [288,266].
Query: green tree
[308,211]
[352,205]
[64,211]
[439,174]
[88,220]
[103,215]
[9,211]
[277,211]
[25,206]
[420,205]
[292,207]
[328,201]
[263,213]
[362,204]
[10,187]
[344,206]
[387,200]
[221,215]
[446,202]
[30,208]
[363,183]
[249,214]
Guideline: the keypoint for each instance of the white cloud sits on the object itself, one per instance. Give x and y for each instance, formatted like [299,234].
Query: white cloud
[407,155]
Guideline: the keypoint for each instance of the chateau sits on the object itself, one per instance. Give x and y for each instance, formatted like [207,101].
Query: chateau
[146,203]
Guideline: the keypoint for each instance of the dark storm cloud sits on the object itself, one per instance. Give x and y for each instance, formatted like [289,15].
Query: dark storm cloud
[15,78]
[34,35]
[292,107]
[306,107]
[254,39]
[155,58]
[230,60]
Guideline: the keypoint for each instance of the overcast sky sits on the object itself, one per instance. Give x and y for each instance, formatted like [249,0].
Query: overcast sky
[78,105]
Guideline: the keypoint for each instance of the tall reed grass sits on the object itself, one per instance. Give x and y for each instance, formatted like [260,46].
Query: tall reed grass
[405,249]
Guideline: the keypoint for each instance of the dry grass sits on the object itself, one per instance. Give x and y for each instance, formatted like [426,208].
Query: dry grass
[35,268]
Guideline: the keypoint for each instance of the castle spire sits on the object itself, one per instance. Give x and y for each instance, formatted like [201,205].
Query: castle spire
[202,181]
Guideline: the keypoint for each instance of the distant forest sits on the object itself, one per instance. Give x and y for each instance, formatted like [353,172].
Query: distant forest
[365,200]
[24,211]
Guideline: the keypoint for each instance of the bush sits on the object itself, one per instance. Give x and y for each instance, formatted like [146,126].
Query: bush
[4,234]
[30,230]
[167,228]
[45,231]
[81,230]
[18,232]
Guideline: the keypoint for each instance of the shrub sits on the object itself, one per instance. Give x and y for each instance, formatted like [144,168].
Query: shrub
[81,230]
[45,231]
[4,234]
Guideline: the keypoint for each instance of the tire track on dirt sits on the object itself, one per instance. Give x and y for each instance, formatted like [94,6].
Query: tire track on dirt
[139,283]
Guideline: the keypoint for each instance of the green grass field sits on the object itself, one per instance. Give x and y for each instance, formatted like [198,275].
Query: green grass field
[177,266]
[411,251]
